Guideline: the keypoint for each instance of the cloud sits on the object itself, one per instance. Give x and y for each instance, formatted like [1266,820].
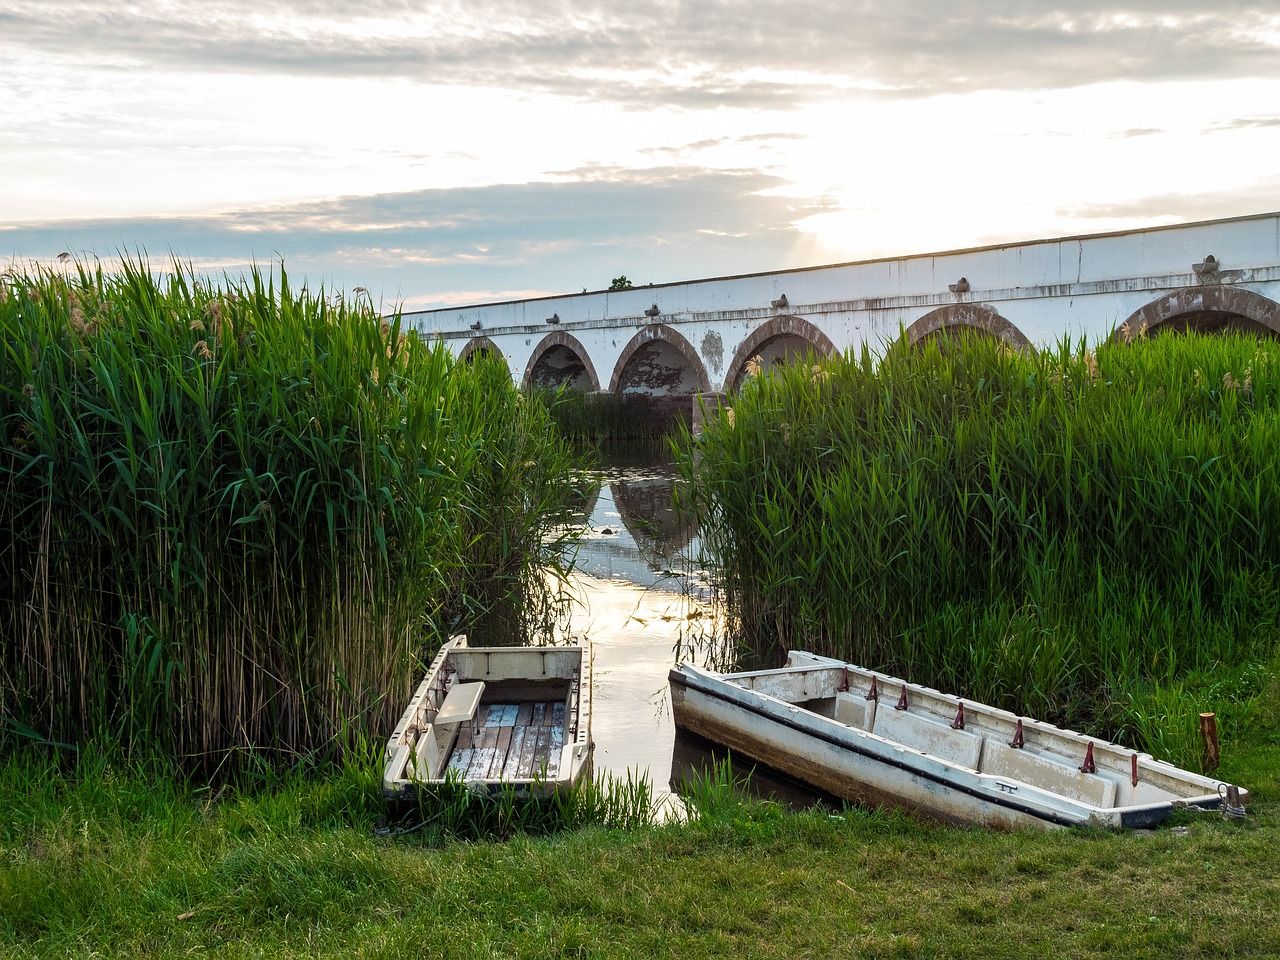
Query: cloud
[431,247]
[1245,123]
[685,149]
[1201,205]
[710,53]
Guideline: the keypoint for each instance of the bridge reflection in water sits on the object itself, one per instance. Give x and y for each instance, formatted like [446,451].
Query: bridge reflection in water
[643,601]
[640,595]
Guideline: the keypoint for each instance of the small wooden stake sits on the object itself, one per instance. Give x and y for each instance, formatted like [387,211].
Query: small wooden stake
[1209,732]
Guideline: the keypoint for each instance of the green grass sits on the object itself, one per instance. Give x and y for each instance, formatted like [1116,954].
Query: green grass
[452,810]
[1085,536]
[119,863]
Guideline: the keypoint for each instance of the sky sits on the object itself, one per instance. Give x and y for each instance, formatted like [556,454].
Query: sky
[444,153]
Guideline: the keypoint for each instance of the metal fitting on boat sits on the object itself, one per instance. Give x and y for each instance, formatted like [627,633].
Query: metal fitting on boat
[1232,808]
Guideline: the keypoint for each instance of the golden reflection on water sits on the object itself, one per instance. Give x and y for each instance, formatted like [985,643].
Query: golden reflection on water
[639,594]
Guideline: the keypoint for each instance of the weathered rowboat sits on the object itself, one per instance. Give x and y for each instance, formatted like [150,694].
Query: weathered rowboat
[495,715]
[868,737]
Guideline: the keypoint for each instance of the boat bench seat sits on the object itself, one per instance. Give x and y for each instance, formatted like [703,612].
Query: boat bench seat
[460,703]
[1146,792]
[855,710]
[928,736]
[426,755]
[1002,760]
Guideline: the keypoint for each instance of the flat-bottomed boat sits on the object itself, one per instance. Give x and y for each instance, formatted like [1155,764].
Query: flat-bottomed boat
[868,737]
[489,716]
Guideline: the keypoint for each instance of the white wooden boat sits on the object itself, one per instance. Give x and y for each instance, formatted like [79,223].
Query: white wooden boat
[495,715]
[868,737]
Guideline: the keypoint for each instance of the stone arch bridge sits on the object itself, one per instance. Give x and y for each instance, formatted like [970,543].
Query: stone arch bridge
[671,342]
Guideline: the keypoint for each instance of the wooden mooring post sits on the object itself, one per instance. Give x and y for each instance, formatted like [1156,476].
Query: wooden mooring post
[1209,733]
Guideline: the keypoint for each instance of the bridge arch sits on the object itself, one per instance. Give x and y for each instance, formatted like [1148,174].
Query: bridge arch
[777,341]
[659,361]
[1204,310]
[560,358]
[966,316]
[478,345]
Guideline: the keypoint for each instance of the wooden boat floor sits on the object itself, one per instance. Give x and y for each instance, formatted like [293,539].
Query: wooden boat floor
[511,741]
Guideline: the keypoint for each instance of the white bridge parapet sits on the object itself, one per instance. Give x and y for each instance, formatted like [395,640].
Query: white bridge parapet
[698,336]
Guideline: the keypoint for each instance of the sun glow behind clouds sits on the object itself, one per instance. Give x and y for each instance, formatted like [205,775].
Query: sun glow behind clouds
[285,128]
[958,171]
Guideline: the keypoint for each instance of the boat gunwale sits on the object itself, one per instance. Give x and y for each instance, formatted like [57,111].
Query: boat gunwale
[1162,767]
[1117,813]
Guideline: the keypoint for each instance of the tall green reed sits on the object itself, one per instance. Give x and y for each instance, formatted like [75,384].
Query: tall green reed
[237,516]
[606,420]
[1046,531]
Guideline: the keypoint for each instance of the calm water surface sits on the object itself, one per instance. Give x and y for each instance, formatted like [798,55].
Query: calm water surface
[641,595]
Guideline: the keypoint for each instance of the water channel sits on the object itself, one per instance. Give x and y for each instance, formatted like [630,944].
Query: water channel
[640,593]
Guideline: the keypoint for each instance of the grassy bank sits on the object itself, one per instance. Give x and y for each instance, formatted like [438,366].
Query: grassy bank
[234,518]
[116,864]
[1089,536]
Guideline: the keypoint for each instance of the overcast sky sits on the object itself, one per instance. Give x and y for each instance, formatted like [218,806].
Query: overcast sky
[488,150]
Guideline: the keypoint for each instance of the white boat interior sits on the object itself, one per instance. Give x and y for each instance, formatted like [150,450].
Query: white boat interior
[977,738]
[490,715]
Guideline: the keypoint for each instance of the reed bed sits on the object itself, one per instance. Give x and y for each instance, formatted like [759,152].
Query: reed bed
[1088,535]
[606,420]
[237,517]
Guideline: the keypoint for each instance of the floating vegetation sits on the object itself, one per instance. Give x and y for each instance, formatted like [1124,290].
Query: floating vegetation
[237,518]
[1082,534]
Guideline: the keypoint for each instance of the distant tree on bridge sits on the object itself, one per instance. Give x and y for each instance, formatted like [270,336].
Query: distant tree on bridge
[620,283]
